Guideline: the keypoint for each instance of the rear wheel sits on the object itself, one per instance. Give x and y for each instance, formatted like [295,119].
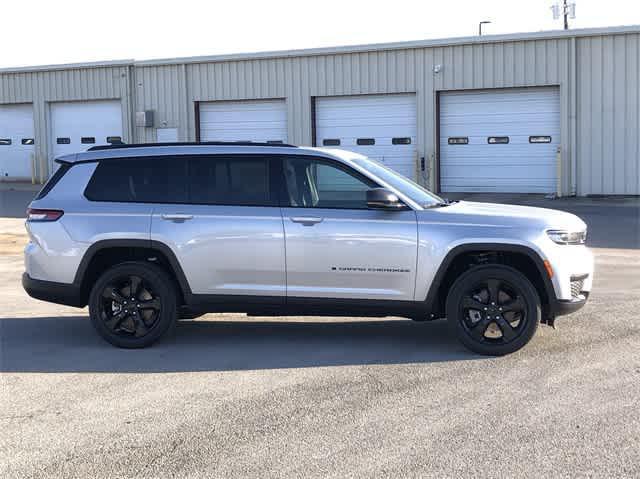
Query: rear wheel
[494,309]
[133,304]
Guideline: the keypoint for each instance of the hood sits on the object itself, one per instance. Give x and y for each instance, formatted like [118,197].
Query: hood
[500,214]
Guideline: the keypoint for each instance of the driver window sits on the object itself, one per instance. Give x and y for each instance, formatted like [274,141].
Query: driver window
[313,183]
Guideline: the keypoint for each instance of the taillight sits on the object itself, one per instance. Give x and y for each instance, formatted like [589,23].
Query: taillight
[43,215]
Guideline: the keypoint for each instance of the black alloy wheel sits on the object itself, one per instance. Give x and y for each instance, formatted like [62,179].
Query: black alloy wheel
[129,307]
[133,304]
[495,310]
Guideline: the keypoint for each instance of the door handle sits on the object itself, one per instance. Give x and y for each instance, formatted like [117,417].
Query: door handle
[177,217]
[306,220]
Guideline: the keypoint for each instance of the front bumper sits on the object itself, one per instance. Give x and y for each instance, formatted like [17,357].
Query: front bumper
[60,293]
[573,268]
[567,306]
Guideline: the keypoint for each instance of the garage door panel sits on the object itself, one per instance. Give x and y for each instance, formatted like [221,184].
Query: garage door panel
[518,166]
[381,117]
[16,155]
[255,120]
[94,121]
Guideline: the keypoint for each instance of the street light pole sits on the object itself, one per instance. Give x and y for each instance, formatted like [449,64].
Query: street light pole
[484,22]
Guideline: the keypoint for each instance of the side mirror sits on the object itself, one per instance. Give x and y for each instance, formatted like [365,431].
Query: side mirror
[383,199]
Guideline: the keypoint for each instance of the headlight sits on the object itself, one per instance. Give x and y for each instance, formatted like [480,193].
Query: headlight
[567,237]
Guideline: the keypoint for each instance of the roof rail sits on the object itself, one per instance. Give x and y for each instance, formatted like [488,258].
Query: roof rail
[116,146]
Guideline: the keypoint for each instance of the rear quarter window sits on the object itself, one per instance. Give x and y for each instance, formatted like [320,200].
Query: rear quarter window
[139,180]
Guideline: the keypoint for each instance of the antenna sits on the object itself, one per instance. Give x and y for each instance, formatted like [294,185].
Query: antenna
[566,10]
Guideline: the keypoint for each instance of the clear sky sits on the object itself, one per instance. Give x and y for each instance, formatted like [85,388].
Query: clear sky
[65,31]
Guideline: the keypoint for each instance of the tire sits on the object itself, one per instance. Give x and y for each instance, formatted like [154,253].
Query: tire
[493,329]
[136,324]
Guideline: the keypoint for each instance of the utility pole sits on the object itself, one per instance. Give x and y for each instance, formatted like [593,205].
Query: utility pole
[484,22]
[566,15]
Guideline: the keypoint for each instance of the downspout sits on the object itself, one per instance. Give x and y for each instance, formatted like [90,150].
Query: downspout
[183,127]
[573,120]
[130,100]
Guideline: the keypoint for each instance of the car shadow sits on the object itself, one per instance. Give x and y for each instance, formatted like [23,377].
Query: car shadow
[69,344]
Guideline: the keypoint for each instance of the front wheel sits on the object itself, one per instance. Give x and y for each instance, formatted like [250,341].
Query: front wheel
[494,309]
[133,304]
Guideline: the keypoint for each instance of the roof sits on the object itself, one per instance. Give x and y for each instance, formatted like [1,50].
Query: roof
[541,35]
[168,149]
[120,146]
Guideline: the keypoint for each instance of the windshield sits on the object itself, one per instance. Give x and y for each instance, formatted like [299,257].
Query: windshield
[413,190]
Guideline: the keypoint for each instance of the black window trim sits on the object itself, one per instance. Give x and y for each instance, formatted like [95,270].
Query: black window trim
[87,140]
[5,141]
[400,140]
[63,140]
[276,179]
[331,142]
[28,141]
[365,141]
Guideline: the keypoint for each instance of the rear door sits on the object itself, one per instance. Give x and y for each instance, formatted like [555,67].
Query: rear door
[335,246]
[222,220]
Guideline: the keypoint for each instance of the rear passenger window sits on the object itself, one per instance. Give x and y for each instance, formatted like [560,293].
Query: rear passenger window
[231,180]
[140,180]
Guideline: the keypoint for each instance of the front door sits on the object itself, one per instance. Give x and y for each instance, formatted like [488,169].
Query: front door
[226,227]
[335,246]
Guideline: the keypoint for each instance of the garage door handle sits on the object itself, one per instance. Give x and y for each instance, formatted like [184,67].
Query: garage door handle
[177,217]
[306,220]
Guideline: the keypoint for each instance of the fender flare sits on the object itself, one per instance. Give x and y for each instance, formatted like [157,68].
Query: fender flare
[432,295]
[133,243]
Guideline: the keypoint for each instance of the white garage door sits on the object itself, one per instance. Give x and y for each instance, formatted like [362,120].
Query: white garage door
[16,141]
[378,126]
[259,120]
[76,126]
[503,140]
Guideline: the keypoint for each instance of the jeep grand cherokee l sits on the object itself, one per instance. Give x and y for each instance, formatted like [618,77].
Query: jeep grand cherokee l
[145,234]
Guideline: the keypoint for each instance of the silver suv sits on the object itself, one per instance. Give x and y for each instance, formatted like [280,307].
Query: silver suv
[145,234]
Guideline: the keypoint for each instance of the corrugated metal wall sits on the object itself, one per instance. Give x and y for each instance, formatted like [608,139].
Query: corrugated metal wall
[40,88]
[608,110]
[298,79]
[598,78]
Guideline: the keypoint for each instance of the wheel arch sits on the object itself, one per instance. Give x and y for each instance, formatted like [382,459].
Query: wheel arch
[463,256]
[107,253]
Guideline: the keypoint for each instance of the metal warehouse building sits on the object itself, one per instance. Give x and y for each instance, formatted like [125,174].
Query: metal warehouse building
[548,112]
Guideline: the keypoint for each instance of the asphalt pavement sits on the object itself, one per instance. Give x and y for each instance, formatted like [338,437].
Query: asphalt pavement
[237,396]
